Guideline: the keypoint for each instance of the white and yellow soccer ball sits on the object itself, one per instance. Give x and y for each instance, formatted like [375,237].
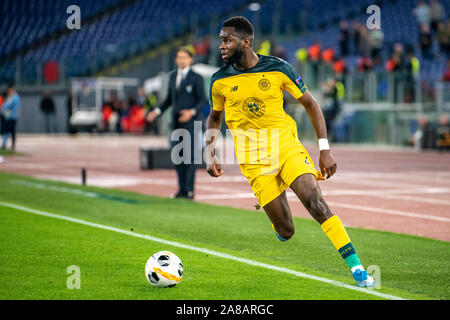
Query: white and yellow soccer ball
[164,269]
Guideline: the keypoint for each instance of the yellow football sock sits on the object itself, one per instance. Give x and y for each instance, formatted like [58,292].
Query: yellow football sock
[335,231]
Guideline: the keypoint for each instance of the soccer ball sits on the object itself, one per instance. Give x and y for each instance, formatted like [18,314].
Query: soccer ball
[164,269]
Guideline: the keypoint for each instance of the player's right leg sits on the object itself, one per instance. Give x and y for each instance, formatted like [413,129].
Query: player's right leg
[280,215]
[308,191]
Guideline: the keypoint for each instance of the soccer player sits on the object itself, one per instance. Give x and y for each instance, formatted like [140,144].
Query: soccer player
[249,89]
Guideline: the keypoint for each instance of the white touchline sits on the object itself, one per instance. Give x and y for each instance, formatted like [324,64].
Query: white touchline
[388,211]
[333,203]
[203,250]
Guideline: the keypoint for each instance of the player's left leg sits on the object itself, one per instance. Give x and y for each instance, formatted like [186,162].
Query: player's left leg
[308,191]
[280,215]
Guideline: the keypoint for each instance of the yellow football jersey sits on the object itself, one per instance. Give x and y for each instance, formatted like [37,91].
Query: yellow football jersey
[253,104]
[265,136]
[253,98]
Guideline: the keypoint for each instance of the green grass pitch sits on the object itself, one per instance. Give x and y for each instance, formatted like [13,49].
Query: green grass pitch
[36,251]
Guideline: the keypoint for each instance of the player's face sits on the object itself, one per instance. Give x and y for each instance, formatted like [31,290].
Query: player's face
[231,45]
[183,59]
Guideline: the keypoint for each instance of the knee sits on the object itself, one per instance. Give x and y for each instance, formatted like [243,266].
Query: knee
[318,208]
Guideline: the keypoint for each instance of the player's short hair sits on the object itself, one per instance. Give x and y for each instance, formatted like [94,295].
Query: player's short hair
[186,50]
[241,25]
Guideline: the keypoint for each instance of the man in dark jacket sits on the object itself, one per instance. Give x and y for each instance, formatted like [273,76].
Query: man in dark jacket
[48,108]
[187,97]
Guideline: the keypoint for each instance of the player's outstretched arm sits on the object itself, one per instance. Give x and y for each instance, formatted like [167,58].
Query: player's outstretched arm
[213,124]
[327,163]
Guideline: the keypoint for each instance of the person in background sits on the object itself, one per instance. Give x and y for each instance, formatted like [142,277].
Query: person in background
[333,91]
[48,109]
[70,128]
[10,110]
[446,75]
[2,118]
[443,38]
[412,68]
[187,97]
[376,38]
[437,14]
[422,13]
[425,41]
[355,35]
[151,103]
[344,36]
[443,133]
[426,134]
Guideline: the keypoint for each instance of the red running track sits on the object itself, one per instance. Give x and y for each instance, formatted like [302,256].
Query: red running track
[390,189]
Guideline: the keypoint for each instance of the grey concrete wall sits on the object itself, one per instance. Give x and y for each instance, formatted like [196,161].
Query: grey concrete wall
[31,119]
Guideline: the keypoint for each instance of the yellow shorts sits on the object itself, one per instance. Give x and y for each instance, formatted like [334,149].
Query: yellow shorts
[294,161]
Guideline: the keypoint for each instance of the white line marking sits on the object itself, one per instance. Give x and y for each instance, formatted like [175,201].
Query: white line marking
[388,211]
[333,203]
[203,250]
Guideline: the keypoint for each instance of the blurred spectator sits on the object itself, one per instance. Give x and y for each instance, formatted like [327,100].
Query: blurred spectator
[363,43]
[437,14]
[364,64]
[314,51]
[112,113]
[344,36]
[376,37]
[302,58]
[356,37]
[394,66]
[10,111]
[314,58]
[70,128]
[400,51]
[425,136]
[2,118]
[334,92]
[339,66]
[48,109]
[443,133]
[133,118]
[412,68]
[394,63]
[443,37]
[446,75]
[280,52]
[265,48]
[203,49]
[148,103]
[425,41]
[328,55]
[423,13]
[140,96]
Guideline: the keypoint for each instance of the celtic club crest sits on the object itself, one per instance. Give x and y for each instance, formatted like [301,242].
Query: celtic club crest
[264,84]
[253,108]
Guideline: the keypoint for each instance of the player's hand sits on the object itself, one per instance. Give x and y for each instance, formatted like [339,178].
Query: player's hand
[151,116]
[185,115]
[327,163]
[214,168]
